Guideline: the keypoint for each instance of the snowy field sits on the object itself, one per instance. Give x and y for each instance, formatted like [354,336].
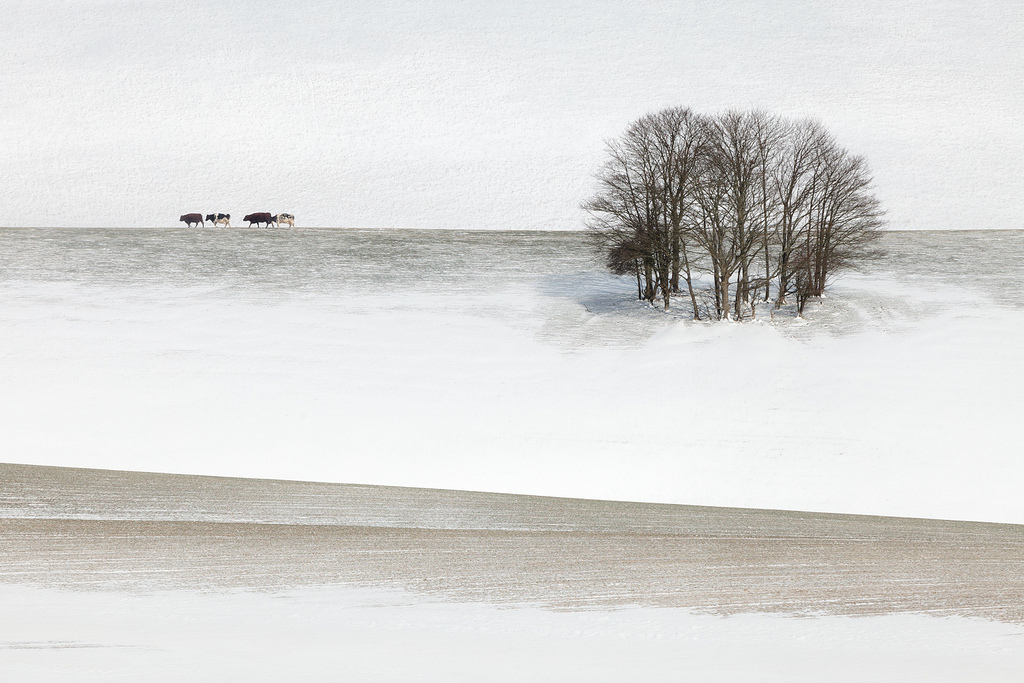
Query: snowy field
[487,114]
[494,361]
[126,576]
[376,636]
[500,362]
[510,362]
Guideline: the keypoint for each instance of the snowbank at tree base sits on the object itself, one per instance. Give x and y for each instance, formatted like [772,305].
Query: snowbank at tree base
[898,394]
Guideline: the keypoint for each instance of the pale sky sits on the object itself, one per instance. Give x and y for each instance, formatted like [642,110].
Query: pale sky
[481,113]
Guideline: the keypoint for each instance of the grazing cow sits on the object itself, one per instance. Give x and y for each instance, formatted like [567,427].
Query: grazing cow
[218,218]
[190,218]
[257,218]
[285,218]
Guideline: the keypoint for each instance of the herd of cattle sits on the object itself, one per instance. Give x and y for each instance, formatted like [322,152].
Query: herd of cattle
[277,220]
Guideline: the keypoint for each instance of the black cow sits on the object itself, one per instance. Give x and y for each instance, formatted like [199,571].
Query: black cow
[257,218]
[192,218]
[218,218]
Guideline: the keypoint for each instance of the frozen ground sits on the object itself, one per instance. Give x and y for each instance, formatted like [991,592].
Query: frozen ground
[511,362]
[131,531]
[126,576]
[376,636]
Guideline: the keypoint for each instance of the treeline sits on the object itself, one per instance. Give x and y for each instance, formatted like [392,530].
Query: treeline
[769,208]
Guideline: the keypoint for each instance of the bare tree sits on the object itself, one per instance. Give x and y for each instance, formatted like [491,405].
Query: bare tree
[638,211]
[843,219]
[793,176]
[727,188]
[623,212]
[752,199]
[676,141]
[769,136]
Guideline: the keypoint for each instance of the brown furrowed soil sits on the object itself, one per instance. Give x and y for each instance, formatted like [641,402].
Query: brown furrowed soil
[98,529]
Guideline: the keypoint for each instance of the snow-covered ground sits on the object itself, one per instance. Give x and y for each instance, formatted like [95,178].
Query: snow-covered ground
[127,576]
[373,635]
[511,362]
[485,114]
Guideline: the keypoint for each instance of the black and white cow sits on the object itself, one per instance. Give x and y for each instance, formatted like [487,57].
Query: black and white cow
[286,218]
[218,218]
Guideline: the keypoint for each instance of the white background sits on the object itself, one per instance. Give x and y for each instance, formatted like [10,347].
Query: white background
[482,114]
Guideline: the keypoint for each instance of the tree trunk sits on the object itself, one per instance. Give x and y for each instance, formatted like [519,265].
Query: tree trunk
[675,258]
[723,287]
[689,284]
[649,291]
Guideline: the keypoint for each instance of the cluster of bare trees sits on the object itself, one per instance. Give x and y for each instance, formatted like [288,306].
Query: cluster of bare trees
[766,208]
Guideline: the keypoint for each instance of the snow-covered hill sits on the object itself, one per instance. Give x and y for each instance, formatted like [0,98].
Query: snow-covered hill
[484,114]
[511,362]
